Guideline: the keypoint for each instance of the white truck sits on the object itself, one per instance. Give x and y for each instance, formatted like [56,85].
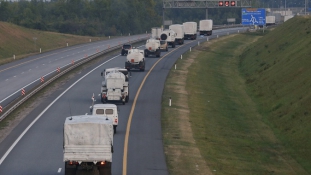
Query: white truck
[135,60]
[169,36]
[107,110]
[156,32]
[206,27]
[180,33]
[88,144]
[270,20]
[153,47]
[190,30]
[115,86]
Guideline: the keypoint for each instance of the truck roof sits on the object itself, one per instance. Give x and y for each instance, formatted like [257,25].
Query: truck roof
[105,106]
[87,119]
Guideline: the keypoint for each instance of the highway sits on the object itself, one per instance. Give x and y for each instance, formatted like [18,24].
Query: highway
[21,73]
[36,147]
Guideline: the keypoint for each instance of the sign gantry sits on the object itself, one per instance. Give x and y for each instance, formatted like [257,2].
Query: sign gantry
[203,3]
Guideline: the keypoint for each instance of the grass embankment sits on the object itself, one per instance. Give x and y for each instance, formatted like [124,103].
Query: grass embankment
[277,70]
[19,41]
[223,123]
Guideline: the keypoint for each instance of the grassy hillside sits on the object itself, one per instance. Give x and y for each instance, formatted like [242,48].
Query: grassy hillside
[277,72]
[16,40]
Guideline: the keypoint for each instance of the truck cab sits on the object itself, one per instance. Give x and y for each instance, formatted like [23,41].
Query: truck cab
[107,110]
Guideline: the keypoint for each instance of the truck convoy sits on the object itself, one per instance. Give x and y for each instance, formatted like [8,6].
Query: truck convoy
[206,27]
[169,36]
[107,110]
[152,47]
[88,144]
[156,32]
[190,30]
[180,34]
[135,60]
[115,86]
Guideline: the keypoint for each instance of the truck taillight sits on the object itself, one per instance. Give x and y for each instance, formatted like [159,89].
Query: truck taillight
[102,163]
[116,120]
[104,95]
[132,60]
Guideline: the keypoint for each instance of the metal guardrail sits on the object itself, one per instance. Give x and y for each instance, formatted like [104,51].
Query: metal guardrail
[31,89]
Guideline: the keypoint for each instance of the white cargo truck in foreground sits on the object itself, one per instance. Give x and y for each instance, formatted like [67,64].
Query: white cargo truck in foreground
[156,32]
[180,33]
[206,27]
[169,36]
[107,110]
[135,60]
[190,29]
[88,144]
[115,86]
[153,47]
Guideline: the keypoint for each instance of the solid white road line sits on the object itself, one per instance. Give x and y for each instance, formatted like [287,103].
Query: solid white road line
[39,116]
[59,170]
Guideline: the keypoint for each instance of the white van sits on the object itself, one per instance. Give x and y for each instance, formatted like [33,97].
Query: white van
[107,110]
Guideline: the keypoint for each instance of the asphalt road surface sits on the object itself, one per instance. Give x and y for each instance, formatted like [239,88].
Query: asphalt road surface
[38,150]
[18,74]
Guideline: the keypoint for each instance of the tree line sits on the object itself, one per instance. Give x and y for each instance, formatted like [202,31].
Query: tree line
[102,17]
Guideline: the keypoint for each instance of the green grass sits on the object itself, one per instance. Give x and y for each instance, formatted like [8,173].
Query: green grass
[278,78]
[18,41]
[248,101]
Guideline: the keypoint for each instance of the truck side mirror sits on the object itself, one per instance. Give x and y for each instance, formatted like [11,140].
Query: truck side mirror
[91,109]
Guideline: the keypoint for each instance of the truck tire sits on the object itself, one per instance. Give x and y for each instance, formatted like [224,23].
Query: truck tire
[106,170]
[114,129]
[127,98]
[70,169]
[173,45]
[158,53]
[146,52]
[166,48]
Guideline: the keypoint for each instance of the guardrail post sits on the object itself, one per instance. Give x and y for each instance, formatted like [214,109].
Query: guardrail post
[198,43]
[40,50]
[190,49]
[175,66]
[181,57]
[14,57]
[67,44]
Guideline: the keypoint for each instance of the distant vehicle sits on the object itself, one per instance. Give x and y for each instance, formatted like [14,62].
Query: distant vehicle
[169,36]
[135,60]
[125,49]
[190,29]
[270,20]
[156,32]
[115,87]
[107,110]
[180,34]
[163,45]
[88,144]
[206,27]
[152,47]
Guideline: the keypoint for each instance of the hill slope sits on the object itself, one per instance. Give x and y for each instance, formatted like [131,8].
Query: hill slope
[19,41]
[277,72]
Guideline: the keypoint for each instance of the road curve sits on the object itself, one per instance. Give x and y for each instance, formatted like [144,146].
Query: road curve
[39,150]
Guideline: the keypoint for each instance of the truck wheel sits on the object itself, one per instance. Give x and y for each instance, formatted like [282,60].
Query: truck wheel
[70,169]
[123,102]
[127,98]
[173,45]
[166,49]
[114,129]
[104,170]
